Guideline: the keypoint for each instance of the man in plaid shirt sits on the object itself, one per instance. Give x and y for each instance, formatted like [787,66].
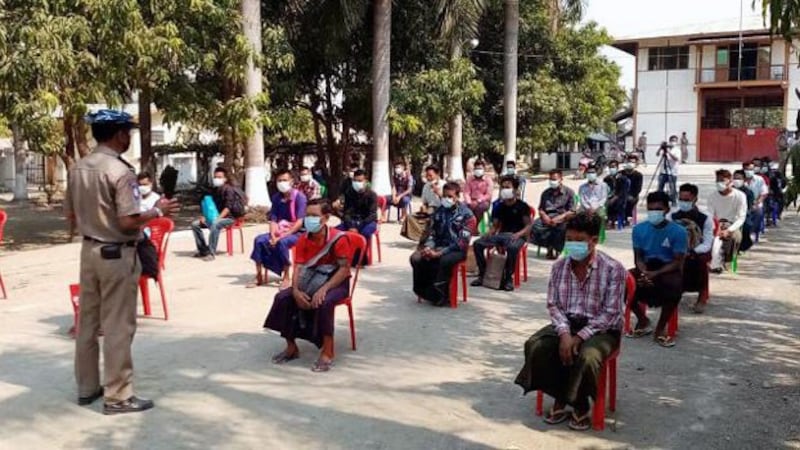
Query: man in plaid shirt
[585,301]
[308,185]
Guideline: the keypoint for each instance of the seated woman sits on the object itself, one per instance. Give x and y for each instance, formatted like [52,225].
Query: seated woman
[271,250]
[585,300]
[297,314]
[443,245]
[659,250]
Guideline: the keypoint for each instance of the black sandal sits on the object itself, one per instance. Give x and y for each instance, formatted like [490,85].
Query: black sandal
[284,357]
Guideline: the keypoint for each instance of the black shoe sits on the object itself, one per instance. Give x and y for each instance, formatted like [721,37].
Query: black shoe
[717,271]
[130,405]
[509,286]
[83,401]
[477,282]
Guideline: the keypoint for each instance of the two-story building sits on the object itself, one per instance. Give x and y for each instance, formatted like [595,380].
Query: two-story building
[731,88]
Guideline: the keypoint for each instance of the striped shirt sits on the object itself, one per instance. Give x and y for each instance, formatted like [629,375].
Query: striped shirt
[598,299]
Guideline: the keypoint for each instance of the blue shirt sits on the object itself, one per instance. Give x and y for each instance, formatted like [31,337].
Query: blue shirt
[663,243]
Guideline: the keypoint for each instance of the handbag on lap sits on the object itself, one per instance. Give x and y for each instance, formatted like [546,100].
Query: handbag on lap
[312,276]
[495,268]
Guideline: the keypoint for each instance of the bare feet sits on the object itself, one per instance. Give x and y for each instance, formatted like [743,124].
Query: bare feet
[286,283]
[259,281]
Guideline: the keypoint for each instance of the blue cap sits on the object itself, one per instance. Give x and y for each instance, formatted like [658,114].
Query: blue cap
[110,116]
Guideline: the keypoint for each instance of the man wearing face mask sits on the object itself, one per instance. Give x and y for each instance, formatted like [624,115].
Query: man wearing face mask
[636,179]
[149,198]
[443,245]
[271,250]
[619,187]
[360,209]
[585,299]
[511,169]
[308,185]
[728,206]
[671,161]
[103,205]
[511,226]
[349,178]
[593,194]
[402,188]
[478,191]
[755,182]
[777,185]
[230,204]
[659,249]
[556,206]
[701,237]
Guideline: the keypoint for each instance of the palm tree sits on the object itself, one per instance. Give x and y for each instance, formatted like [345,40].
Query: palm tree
[572,10]
[510,75]
[381,81]
[458,23]
[255,172]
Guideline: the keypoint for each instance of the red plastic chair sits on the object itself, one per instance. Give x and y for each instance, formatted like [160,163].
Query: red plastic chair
[74,298]
[522,259]
[3,219]
[160,230]
[459,269]
[377,235]
[608,377]
[672,325]
[357,243]
[237,225]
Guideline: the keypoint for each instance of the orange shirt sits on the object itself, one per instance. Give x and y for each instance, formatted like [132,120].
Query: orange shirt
[307,249]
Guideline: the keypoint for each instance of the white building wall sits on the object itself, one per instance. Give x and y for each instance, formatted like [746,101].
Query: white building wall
[794,82]
[667,105]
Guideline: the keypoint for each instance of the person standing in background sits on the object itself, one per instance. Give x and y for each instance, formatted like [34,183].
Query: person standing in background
[684,148]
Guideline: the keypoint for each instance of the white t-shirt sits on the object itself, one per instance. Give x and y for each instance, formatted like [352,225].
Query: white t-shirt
[731,207]
[674,161]
[149,202]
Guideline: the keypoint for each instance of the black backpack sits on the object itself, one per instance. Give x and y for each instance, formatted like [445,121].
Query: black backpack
[237,208]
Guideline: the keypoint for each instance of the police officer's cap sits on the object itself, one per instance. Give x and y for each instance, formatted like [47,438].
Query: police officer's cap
[111,117]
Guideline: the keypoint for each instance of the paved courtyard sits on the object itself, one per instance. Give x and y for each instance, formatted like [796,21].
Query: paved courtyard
[422,377]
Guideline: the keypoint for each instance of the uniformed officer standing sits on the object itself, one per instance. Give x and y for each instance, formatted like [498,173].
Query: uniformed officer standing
[103,203]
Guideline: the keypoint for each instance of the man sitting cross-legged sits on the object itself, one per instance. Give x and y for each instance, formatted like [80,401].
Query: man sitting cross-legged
[700,229]
[511,227]
[659,249]
[585,302]
[555,208]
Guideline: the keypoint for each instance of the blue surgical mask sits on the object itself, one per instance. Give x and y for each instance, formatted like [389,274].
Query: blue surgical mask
[577,250]
[685,206]
[655,216]
[612,170]
[359,185]
[591,177]
[312,224]
[749,173]
[555,184]
[448,202]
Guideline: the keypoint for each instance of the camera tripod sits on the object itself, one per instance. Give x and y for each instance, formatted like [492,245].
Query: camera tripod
[663,162]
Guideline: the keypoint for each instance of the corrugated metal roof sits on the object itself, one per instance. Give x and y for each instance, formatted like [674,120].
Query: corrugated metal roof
[750,23]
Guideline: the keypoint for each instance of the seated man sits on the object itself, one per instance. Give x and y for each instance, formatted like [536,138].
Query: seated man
[755,183]
[402,189]
[348,180]
[443,245]
[478,190]
[776,199]
[511,169]
[585,301]
[308,185]
[619,187]
[555,208]
[149,198]
[359,206]
[729,207]
[700,231]
[635,179]
[659,250]
[415,224]
[271,250]
[593,194]
[309,315]
[511,226]
[230,204]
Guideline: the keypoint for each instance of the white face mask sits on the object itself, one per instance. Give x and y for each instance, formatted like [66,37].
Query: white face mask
[359,185]
[722,186]
[284,186]
[506,193]
[398,170]
[478,173]
[218,182]
[555,184]
[628,166]
[305,178]
[737,183]
[448,203]
[145,190]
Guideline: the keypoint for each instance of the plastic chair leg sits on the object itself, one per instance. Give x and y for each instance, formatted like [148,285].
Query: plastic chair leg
[524,254]
[229,240]
[539,403]
[516,273]
[241,239]
[3,287]
[160,283]
[352,326]
[672,325]
[454,290]
[464,281]
[599,409]
[145,290]
[612,384]
[378,244]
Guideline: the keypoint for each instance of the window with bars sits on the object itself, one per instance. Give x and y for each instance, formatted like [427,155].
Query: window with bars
[668,58]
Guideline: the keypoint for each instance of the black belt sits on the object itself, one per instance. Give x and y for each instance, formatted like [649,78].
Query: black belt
[126,244]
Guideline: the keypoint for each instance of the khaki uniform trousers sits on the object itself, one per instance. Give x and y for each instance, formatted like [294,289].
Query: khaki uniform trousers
[107,299]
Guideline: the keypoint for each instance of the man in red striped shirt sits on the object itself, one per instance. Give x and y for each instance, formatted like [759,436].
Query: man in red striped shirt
[585,301]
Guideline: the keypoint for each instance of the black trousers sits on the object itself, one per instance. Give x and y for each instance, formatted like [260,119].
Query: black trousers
[432,276]
[505,240]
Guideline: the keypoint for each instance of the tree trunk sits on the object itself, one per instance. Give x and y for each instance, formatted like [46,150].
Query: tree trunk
[145,132]
[381,79]
[510,74]
[255,172]
[81,132]
[20,155]
[455,167]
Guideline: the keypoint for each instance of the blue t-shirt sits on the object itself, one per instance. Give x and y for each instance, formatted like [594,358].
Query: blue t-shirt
[663,244]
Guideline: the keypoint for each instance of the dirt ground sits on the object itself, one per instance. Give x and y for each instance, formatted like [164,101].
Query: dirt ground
[422,377]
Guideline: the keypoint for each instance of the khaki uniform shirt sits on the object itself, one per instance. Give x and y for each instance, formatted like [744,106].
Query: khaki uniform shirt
[101,189]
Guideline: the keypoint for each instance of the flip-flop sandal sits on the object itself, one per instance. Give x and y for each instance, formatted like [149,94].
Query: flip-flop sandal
[283,357]
[321,366]
[665,341]
[555,417]
[580,423]
[640,332]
